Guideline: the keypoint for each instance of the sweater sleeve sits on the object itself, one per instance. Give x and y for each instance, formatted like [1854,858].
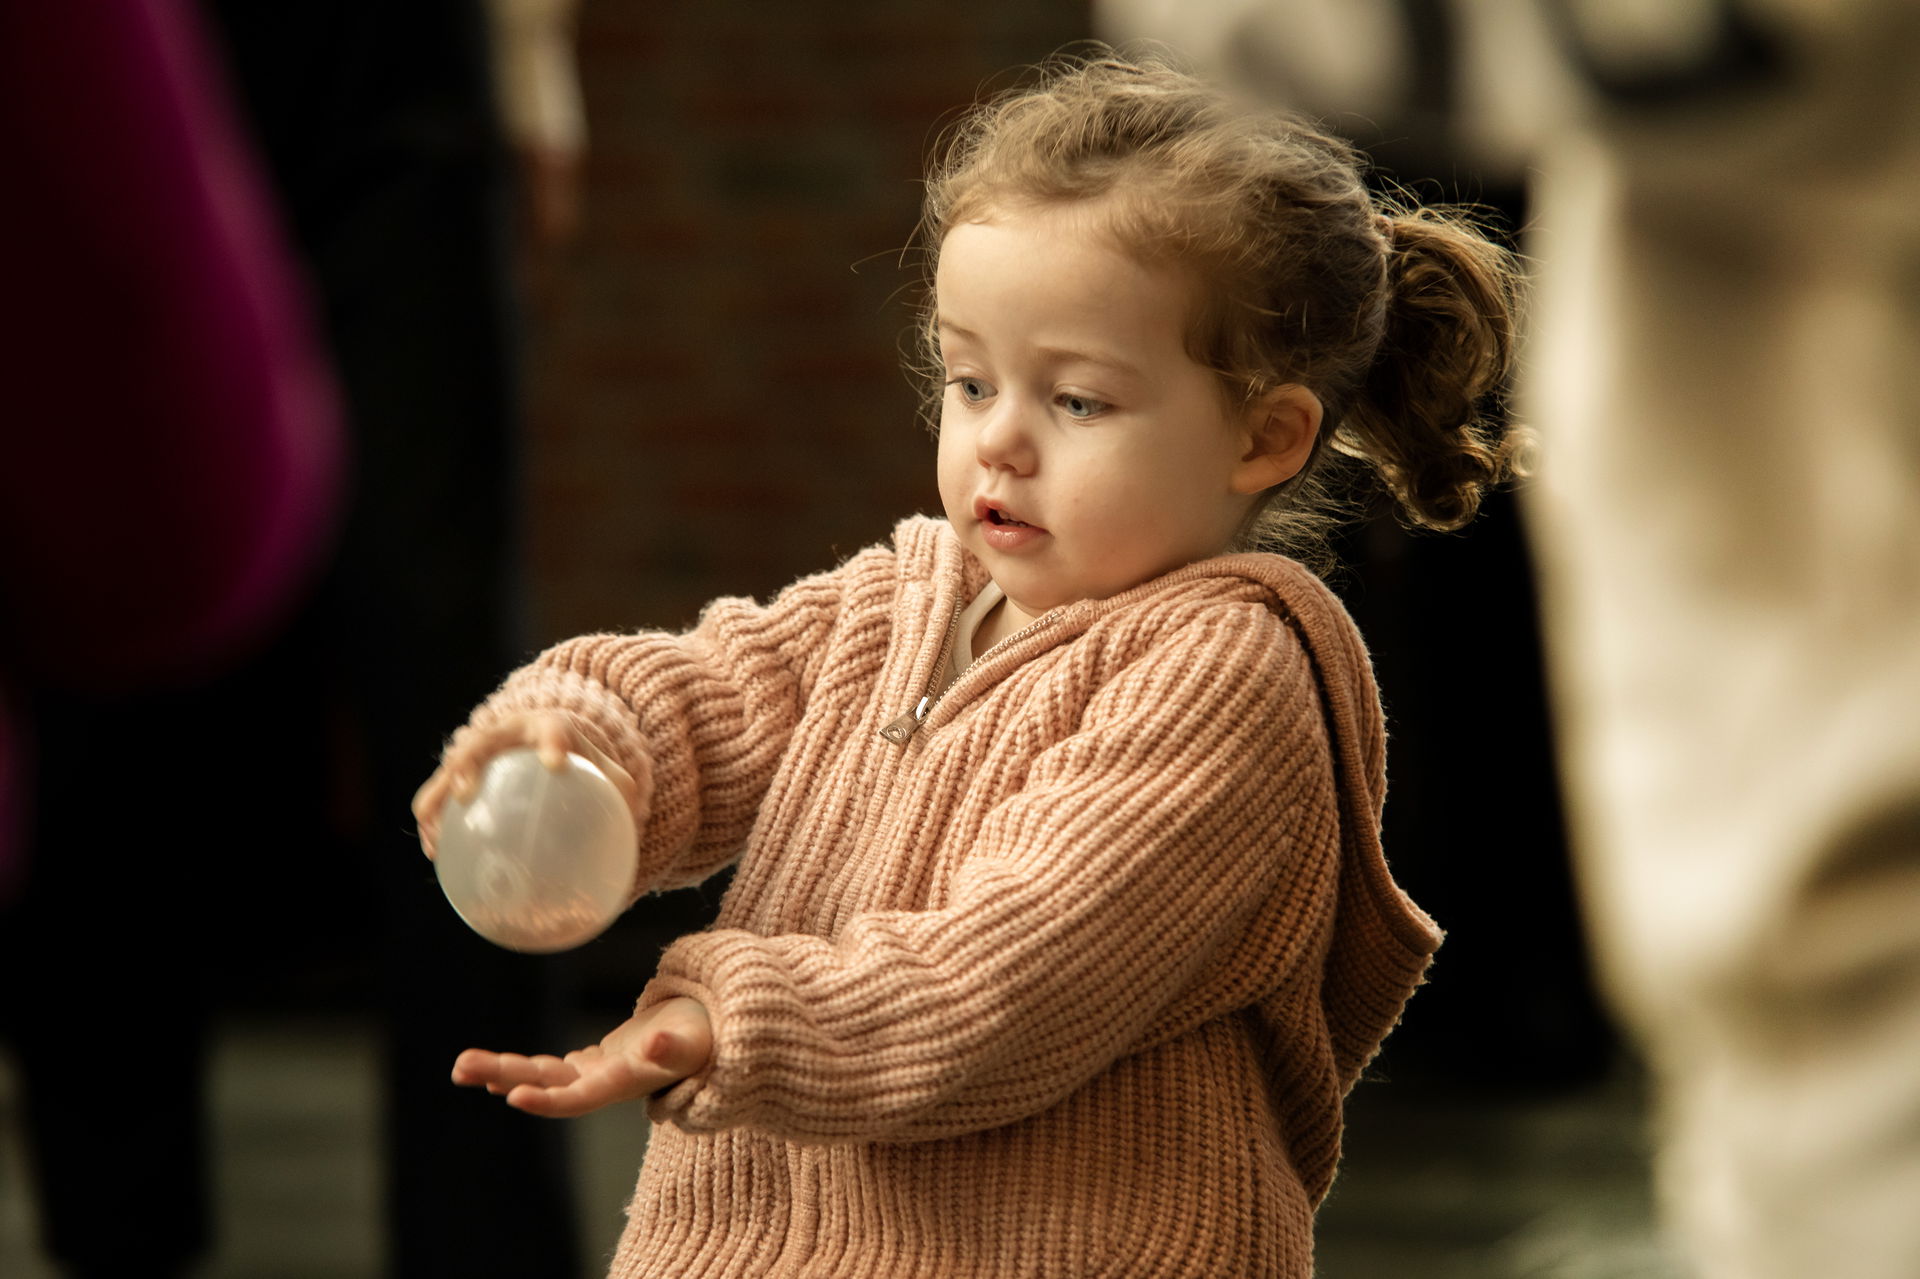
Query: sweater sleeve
[700,719]
[1097,903]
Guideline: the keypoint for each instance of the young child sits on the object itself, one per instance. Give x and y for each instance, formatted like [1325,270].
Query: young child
[1061,927]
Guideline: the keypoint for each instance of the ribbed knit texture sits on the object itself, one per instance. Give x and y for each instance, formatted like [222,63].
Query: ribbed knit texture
[1072,983]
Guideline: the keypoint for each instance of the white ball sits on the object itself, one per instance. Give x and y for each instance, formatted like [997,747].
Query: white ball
[539,860]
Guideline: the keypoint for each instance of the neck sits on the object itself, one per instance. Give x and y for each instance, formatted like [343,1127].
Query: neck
[1006,619]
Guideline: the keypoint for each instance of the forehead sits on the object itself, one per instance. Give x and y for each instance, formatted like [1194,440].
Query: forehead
[1057,274]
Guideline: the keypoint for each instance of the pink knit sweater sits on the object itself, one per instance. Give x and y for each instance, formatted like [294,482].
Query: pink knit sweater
[1070,981]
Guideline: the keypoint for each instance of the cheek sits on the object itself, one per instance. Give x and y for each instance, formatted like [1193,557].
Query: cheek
[1156,503]
[1125,483]
[951,467]
[1113,508]
[947,451]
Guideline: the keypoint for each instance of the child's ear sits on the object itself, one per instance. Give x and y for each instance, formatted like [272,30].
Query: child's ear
[1279,429]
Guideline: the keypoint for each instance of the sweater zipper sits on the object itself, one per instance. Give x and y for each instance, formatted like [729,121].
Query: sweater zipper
[901,730]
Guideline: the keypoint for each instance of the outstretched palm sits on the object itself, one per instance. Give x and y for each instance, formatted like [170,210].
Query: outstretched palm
[640,1056]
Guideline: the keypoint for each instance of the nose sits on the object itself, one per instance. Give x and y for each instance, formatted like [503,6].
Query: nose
[1006,439]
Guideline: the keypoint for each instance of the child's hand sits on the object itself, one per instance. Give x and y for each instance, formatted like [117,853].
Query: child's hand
[642,1055]
[548,732]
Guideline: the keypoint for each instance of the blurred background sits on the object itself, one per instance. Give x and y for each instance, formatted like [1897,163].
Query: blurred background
[626,345]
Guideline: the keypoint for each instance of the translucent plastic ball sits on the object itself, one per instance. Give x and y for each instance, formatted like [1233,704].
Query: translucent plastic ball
[538,860]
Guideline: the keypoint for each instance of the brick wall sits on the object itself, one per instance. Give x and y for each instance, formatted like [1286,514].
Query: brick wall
[715,401]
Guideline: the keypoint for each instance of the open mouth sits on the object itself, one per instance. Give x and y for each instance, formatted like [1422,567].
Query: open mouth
[995,516]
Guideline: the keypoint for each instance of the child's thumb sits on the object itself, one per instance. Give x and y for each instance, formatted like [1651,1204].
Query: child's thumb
[670,1050]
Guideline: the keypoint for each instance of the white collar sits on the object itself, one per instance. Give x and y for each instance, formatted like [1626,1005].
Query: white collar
[961,655]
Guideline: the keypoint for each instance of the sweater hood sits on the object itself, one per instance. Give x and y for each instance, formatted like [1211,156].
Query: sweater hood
[1382,942]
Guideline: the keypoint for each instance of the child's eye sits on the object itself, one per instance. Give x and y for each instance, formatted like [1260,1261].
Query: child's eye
[972,389]
[1082,405]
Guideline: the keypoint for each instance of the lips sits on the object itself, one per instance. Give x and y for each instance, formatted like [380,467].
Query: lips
[997,514]
[1001,530]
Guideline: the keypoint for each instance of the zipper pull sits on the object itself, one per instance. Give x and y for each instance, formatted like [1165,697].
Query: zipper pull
[903,728]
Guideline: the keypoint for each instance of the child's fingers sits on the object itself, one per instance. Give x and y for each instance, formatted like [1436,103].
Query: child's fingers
[477,1067]
[552,1103]
[679,1037]
[499,1072]
[622,780]
[426,811]
[553,738]
[544,1070]
[670,1042]
[550,734]
[673,1053]
[471,750]
[611,1080]
[556,736]
[474,1066]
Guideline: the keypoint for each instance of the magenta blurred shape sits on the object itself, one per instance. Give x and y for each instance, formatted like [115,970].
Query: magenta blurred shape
[171,448]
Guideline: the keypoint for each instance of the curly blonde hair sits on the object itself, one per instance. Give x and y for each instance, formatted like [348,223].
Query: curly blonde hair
[1400,318]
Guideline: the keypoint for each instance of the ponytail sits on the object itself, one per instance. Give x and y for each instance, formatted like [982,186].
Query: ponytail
[1444,357]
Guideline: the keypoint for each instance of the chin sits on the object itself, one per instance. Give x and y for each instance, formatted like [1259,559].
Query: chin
[1039,599]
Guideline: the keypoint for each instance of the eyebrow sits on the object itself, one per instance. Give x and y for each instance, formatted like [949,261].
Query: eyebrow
[1058,354]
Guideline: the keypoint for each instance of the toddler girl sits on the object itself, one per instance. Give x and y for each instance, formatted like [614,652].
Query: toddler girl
[1060,927]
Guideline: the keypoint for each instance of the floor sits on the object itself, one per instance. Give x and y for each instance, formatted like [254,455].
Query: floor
[1434,1186]
[1437,1185]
